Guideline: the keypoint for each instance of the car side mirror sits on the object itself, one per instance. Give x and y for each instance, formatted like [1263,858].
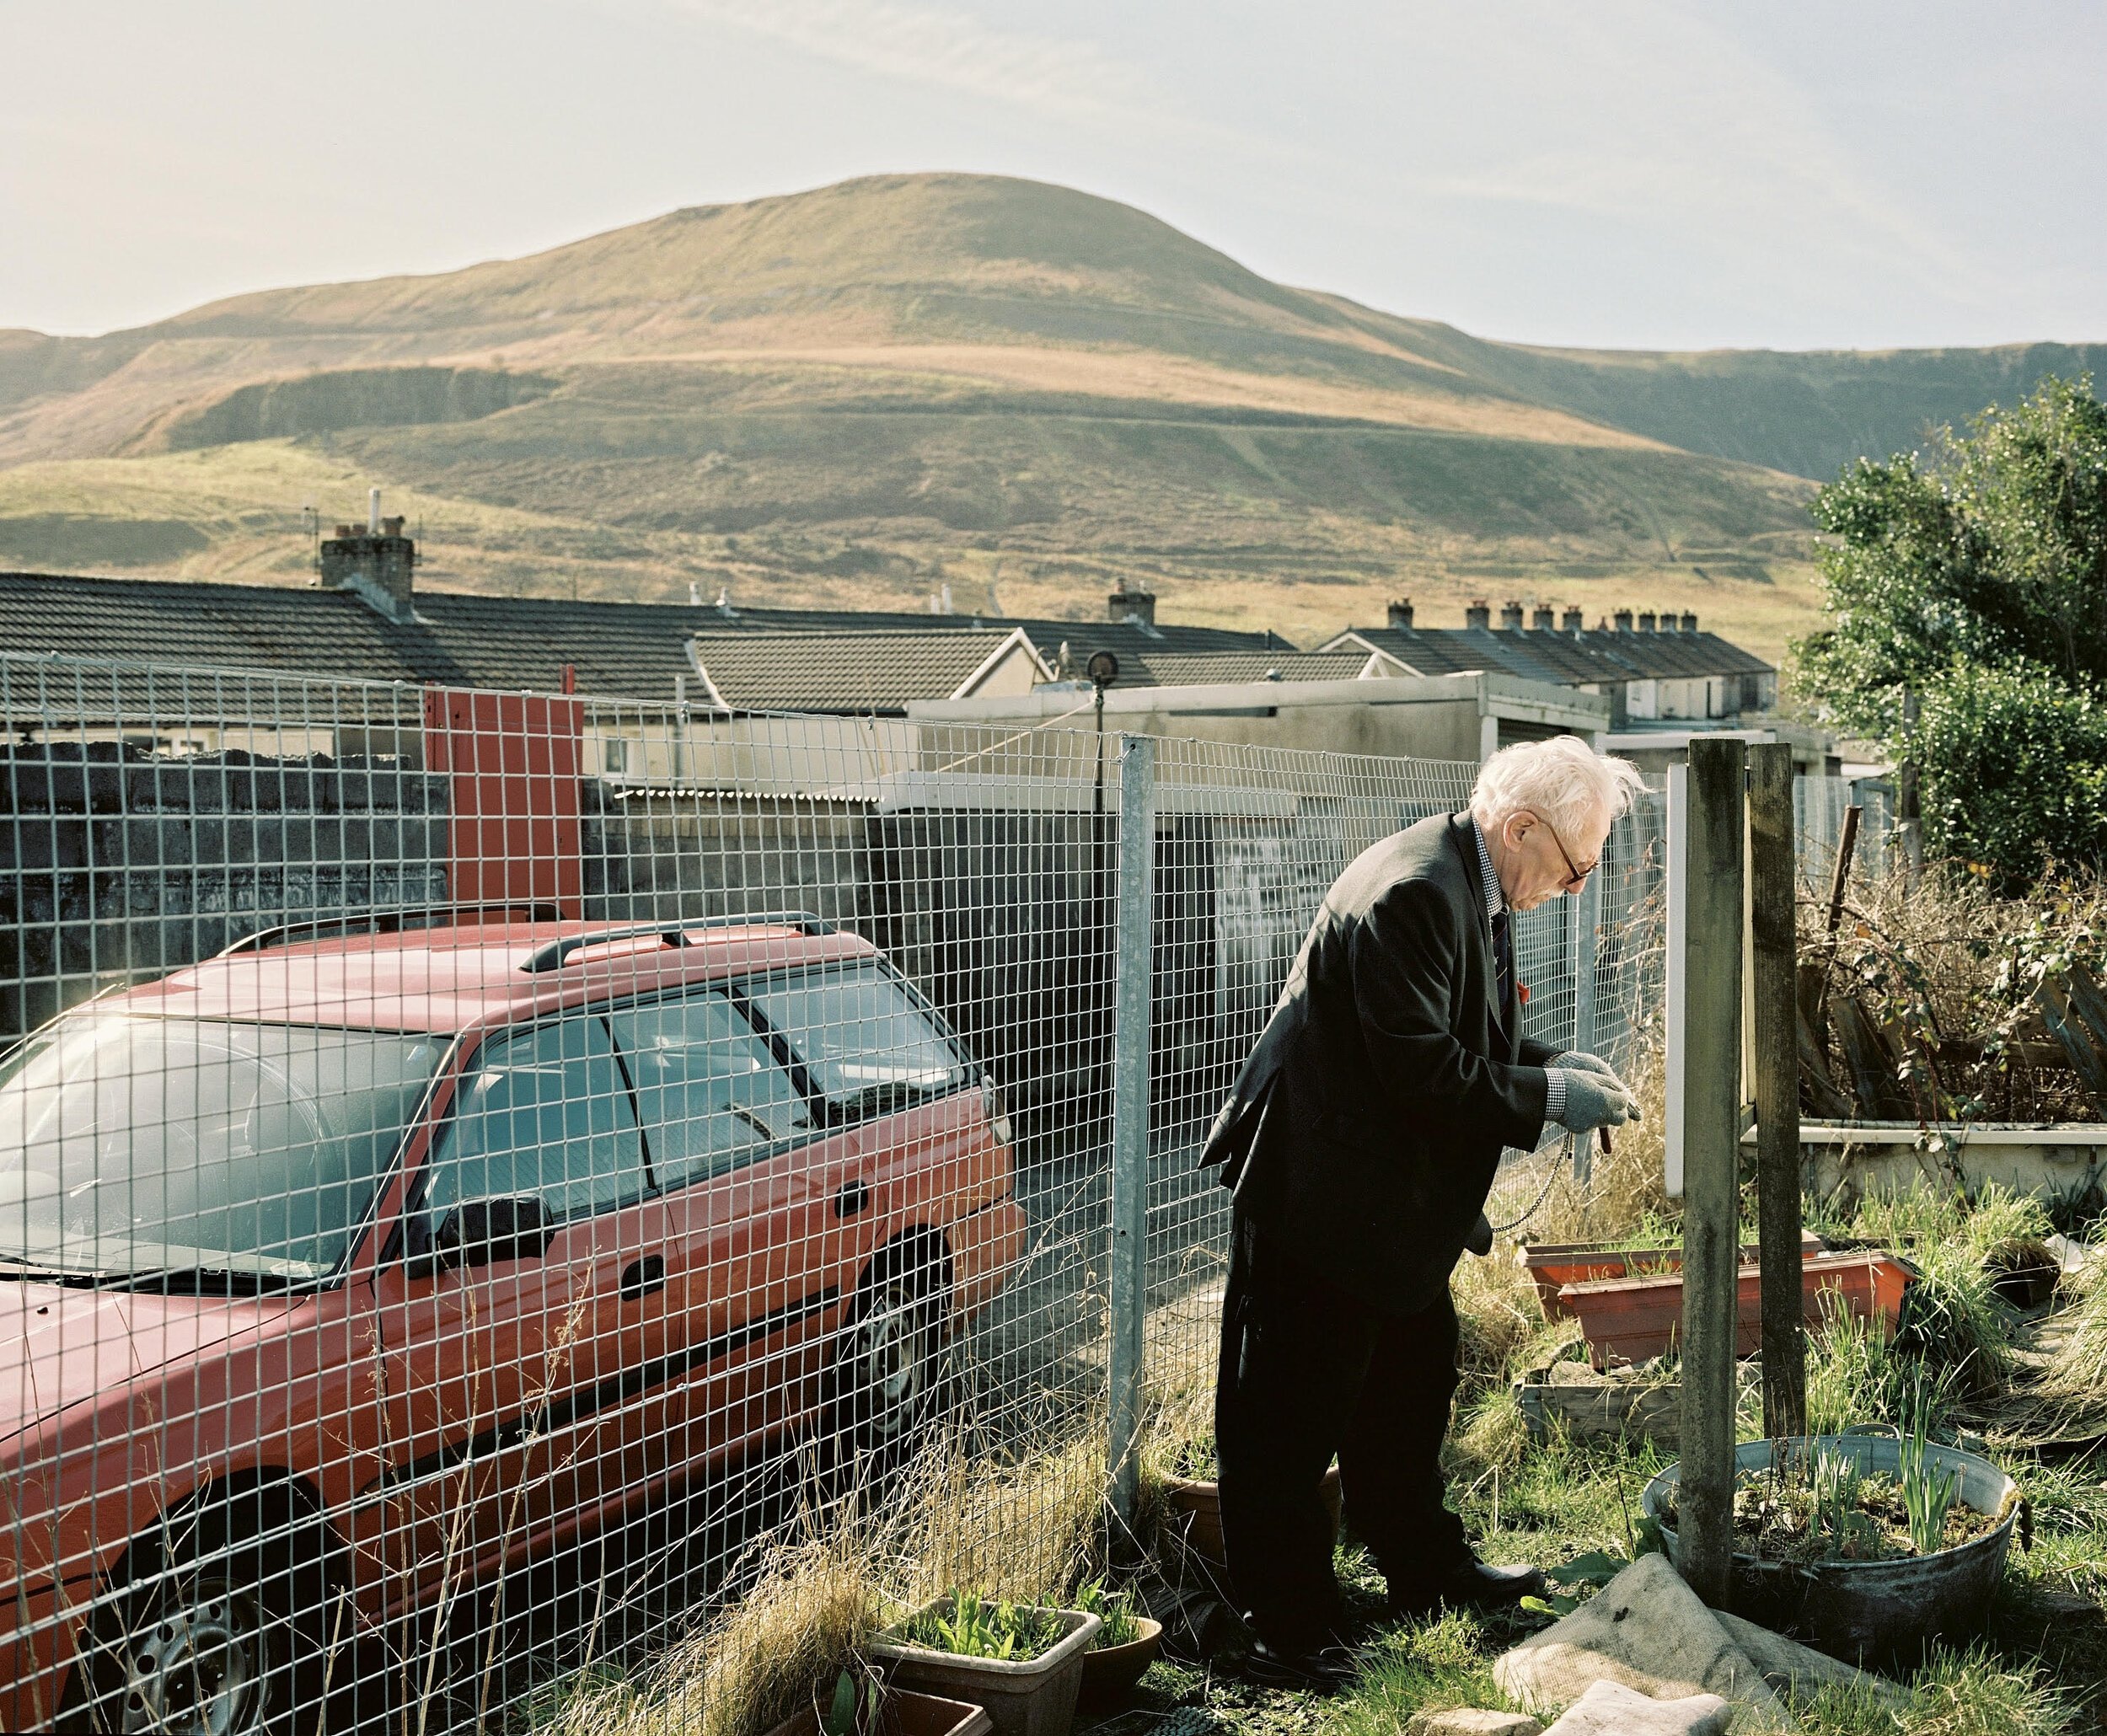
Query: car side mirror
[480,1232]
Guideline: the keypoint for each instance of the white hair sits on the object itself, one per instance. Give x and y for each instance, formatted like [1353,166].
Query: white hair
[1564,780]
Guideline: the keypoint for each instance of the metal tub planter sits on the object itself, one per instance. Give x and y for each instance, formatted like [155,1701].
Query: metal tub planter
[1878,1611]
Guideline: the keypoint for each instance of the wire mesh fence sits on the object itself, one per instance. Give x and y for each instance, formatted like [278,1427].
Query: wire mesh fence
[478,1168]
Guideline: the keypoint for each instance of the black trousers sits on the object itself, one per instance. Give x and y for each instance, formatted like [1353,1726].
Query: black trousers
[1308,1372]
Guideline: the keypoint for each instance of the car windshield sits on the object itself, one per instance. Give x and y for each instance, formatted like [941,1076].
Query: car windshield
[138,1145]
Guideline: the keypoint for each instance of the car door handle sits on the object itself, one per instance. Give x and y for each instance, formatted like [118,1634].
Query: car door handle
[643,1278]
[853,1196]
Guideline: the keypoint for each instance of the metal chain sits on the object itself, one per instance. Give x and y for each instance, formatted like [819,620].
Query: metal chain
[1543,1194]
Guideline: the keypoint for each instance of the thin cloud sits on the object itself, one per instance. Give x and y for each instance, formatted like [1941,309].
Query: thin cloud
[1072,81]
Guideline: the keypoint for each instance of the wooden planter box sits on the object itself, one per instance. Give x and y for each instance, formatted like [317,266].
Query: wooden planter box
[1631,1319]
[901,1713]
[1552,1266]
[1033,1697]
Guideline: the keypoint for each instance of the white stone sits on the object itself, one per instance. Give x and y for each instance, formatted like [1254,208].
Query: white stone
[1465,1722]
[1647,1630]
[1612,1709]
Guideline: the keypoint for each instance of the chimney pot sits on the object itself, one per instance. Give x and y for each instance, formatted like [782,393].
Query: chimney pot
[1544,619]
[1621,620]
[1573,621]
[1401,612]
[1479,613]
[1130,605]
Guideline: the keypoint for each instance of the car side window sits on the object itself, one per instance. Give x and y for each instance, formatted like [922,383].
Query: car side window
[545,1112]
[711,1094]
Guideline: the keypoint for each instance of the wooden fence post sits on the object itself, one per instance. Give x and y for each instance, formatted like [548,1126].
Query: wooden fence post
[1773,878]
[1712,1087]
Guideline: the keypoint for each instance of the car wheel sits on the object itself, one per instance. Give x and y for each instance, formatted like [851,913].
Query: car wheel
[228,1638]
[889,1367]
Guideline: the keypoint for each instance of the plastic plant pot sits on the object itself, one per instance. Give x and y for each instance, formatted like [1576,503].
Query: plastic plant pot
[1030,1697]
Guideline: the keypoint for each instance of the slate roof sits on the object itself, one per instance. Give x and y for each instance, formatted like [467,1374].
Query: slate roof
[625,649]
[1123,639]
[633,650]
[858,674]
[1206,668]
[1594,656]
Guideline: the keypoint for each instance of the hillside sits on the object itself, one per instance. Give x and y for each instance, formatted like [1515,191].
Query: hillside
[860,393]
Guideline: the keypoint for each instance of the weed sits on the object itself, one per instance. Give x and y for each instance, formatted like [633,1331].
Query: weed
[967,1625]
[1114,1610]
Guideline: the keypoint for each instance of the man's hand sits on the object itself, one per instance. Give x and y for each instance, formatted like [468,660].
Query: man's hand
[1581,1061]
[1593,1101]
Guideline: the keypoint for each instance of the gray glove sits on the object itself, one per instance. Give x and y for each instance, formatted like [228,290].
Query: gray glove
[1593,1101]
[1582,1061]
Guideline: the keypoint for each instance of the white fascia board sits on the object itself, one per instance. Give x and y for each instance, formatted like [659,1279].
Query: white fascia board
[993,661]
[717,700]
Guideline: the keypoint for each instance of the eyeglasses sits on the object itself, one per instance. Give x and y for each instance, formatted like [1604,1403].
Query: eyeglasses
[1575,875]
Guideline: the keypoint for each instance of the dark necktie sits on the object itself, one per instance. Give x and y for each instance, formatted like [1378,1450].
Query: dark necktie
[1503,963]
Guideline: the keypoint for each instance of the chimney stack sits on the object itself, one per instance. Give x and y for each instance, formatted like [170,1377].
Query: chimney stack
[1128,605]
[1646,620]
[1511,613]
[1545,618]
[1401,614]
[1622,621]
[1689,620]
[1478,614]
[375,565]
[1573,621]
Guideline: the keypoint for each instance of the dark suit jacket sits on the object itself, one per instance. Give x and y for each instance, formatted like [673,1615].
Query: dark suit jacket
[1363,1131]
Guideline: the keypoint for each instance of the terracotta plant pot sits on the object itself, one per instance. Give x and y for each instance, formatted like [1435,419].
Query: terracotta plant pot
[1552,1265]
[901,1713]
[1197,1506]
[1110,1671]
[1635,1318]
[1035,1696]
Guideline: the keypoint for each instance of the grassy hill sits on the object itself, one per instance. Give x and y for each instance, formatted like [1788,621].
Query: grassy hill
[859,394]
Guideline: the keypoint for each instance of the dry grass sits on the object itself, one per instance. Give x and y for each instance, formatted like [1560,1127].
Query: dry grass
[811,1607]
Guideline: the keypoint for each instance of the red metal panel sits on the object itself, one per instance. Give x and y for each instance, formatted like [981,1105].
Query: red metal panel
[513,761]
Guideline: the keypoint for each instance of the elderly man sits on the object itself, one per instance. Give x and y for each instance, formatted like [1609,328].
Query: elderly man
[1361,1140]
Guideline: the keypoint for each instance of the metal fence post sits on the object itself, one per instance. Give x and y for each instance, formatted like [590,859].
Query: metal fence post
[1132,1003]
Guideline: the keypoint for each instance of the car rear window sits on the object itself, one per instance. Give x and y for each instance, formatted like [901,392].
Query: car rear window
[865,1043]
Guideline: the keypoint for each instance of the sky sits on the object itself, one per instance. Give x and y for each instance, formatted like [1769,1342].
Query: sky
[1633,173]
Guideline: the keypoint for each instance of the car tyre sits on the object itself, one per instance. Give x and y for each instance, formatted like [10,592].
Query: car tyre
[890,1367]
[213,1630]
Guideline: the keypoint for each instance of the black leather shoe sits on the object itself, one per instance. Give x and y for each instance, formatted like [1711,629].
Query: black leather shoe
[1472,1584]
[1321,1670]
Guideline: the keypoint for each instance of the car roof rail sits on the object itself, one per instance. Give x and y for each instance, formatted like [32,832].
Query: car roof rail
[390,922]
[673,932]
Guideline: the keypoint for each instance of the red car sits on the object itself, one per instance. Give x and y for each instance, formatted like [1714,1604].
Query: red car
[345,1271]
